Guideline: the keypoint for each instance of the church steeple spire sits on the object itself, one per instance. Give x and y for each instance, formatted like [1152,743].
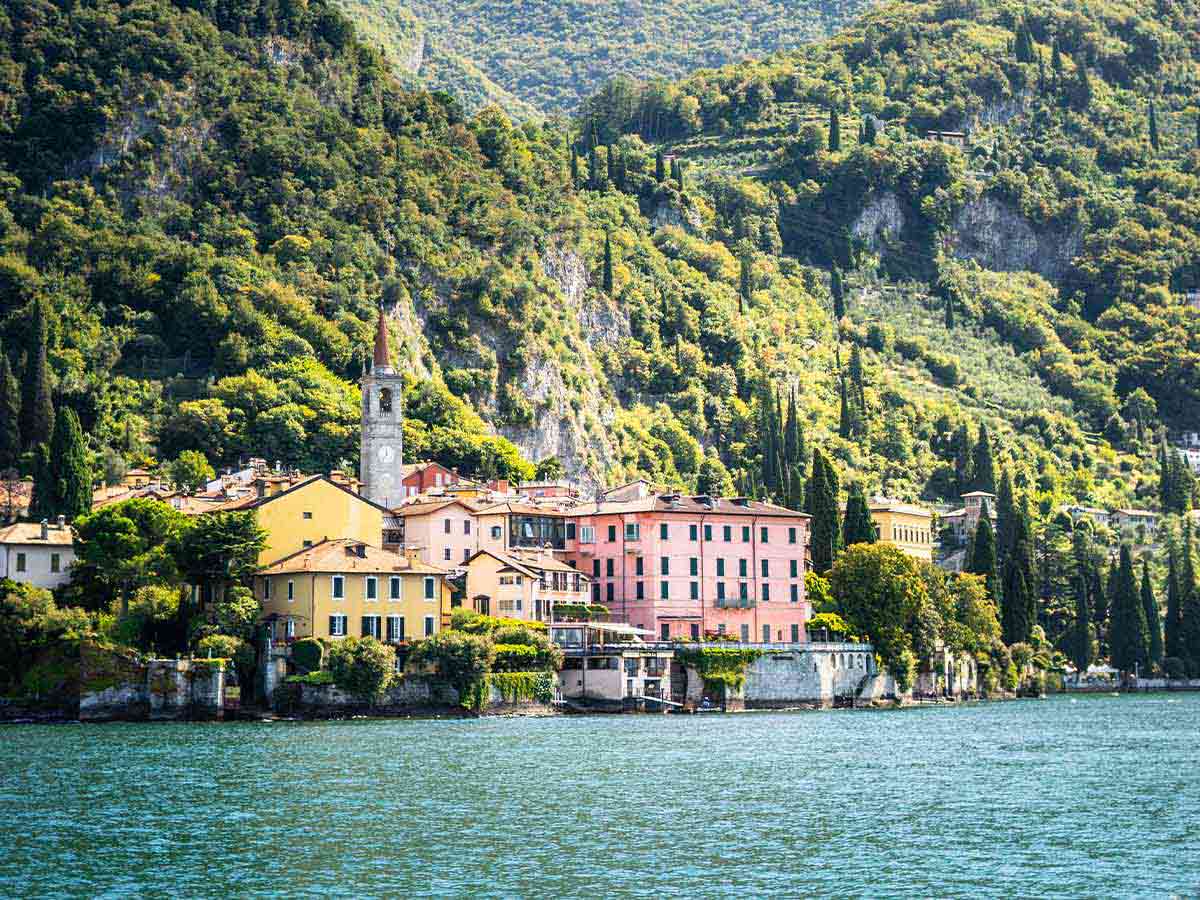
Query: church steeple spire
[383,354]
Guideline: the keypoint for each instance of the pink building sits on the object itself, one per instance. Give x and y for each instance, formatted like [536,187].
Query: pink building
[684,566]
[440,532]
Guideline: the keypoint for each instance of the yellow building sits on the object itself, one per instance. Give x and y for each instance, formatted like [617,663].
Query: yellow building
[346,587]
[523,584]
[308,512]
[908,527]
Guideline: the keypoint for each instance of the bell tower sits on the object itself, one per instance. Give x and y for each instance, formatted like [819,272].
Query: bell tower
[382,443]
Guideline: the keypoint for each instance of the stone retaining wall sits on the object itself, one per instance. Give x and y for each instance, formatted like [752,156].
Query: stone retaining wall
[116,684]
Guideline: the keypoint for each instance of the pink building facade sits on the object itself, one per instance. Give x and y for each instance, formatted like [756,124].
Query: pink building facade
[687,567]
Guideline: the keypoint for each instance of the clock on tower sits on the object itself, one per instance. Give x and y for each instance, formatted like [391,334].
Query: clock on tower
[382,445]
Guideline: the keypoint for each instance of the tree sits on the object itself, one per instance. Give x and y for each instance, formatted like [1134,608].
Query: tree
[1153,127]
[838,288]
[1153,626]
[1171,625]
[1189,600]
[1023,48]
[983,555]
[982,464]
[70,473]
[190,471]
[858,527]
[879,591]
[550,469]
[461,659]
[363,667]
[822,500]
[574,167]
[964,472]
[712,478]
[745,280]
[37,407]
[835,131]
[1128,636]
[607,277]
[10,415]
[219,548]
[41,499]
[660,167]
[1006,511]
[869,130]
[122,547]
[858,397]
[1081,635]
[1018,601]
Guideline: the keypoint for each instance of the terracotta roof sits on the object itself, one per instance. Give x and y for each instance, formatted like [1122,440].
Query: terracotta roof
[520,509]
[254,501]
[424,507]
[413,467]
[979,494]
[341,555]
[884,504]
[383,356]
[529,561]
[31,533]
[691,505]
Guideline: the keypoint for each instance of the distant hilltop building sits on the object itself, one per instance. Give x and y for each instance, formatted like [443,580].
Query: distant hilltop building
[953,138]
[381,453]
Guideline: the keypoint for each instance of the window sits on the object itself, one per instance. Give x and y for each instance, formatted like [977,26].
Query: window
[446,553]
[693,532]
[394,587]
[708,532]
[765,565]
[608,567]
[766,593]
[570,531]
[791,535]
[291,590]
[446,525]
[55,564]
[795,593]
[720,590]
[743,591]
[466,553]
[745,534]
[291,628]
[372,587]
[429,588]
[664,633]
[428,626]
[693,566]
[595,593]
[609,592]
[745,634]
[339,588]
[612,533]
[640,589]
[762,534]
[370,627]
[695,631]
[497,532]
[385,400]
[587,534]
[663,531]
[664,590]
[596,568]
[20,562]
[466,526]
[307,514]
[664,565]
[720,629]
[639,566]
[720,567]
[308,543]
[694,588]
[766,634]
[795,633]
[633,531]
[794,568]
[727,533]
[266,588]
[337,625]
[395,628]
[742,570]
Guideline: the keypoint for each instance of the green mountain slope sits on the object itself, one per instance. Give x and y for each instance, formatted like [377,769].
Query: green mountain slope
[547,56]
[212,205]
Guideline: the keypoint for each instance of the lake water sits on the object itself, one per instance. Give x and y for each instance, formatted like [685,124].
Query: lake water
[1074,797]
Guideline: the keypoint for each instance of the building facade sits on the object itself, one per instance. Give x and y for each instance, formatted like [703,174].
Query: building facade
[346,587]
[523,584]
[381,451]
[37,554]
[683,567]
[907,526]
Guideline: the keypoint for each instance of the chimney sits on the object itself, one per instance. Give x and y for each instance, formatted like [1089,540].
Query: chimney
[62,522]
[412,553]
[45,530]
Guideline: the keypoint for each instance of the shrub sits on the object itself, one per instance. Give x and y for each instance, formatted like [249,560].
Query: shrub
[311,678]
[363,667]
[461,659]
[527,658]
[308,655]
[219,646]
[880,337]
[515,686]
[1175,667]
[719,665]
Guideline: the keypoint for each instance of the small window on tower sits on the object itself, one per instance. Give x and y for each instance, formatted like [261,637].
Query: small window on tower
[385,400]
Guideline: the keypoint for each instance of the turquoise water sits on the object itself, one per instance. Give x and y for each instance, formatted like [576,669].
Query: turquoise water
[1095,796]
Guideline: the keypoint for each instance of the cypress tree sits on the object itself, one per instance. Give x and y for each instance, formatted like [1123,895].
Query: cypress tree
[791,432]
[1023,49]
[677,169]
[982,463]
[823,505]
[1098,599]
[795,487]
[10,415]
[1189,600]
[982,559]
[1166,490]
[835,131]
[37,407]
[660,167]
[766,439]
[1005,513]
[1153,627]
[610,164]
[1171,623]
[574,167]
[869,130]
[838,289]
[608,265]
[857,527]
[1153,126]
[745,280]
[41,500]
[1081,636]
[845,424]
[858,397]
[1127,634]
[1019,591]
[70,474]
[963,469]
[595,180]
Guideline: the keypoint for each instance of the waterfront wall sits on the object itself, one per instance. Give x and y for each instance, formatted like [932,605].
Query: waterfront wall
[412,694]
[116,684]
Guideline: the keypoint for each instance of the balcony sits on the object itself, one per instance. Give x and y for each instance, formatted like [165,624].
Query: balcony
[734,603]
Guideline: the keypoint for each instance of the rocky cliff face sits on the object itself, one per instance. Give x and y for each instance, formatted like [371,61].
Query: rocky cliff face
[997,237]
[881,221]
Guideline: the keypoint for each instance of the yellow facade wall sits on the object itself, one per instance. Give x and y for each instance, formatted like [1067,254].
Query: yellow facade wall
[311,603]
[313,512]
[911,532]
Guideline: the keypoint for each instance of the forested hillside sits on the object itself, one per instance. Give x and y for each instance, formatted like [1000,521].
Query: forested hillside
[548,55]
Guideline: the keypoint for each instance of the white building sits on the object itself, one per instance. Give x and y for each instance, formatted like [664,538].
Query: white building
[35,554]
